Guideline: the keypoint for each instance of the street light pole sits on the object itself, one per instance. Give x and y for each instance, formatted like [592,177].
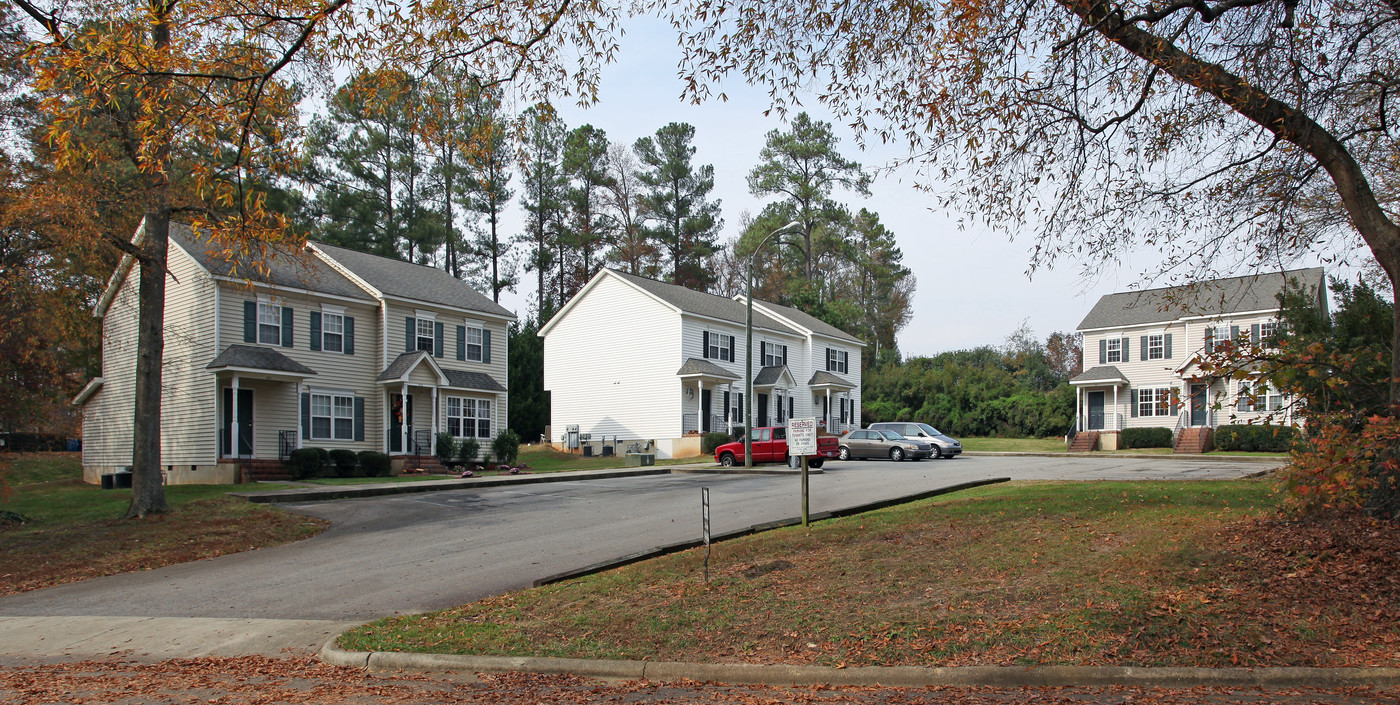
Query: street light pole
[748,346]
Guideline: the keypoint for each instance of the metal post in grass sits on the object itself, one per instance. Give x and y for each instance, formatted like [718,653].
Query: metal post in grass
[705,527]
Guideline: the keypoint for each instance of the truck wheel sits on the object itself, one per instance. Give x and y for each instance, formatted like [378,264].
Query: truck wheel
[896,454]
[727,460]
[815,463]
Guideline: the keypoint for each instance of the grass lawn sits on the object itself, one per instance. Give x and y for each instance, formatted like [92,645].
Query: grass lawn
[1110,573]
[1057,445]
[74,531]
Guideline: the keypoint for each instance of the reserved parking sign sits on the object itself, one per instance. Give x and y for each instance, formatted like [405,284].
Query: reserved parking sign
[802,436]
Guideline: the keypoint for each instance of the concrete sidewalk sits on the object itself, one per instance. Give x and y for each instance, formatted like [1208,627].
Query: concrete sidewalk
[46,639]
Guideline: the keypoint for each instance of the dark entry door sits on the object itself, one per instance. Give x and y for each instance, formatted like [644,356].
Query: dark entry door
[762,401]
[398,416]
[1095,411]
[1198,405]
[245,423]
[705,411]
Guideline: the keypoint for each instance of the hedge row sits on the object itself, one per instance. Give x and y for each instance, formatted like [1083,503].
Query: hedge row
[318,462]
[1156,437]
[1266,437]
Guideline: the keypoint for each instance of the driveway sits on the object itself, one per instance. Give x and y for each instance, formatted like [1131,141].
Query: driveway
[411,553]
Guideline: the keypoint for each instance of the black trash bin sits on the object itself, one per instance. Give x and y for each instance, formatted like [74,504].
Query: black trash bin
[108,482]
[588,450]
[121,480]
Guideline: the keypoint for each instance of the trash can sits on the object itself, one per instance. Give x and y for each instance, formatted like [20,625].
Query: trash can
[588,450]
[108,482]
[121,480]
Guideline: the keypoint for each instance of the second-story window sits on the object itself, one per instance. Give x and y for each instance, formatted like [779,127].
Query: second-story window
[1156,347]
[1268,334]
[836,360]
[332,332]
[772,354]
[269,323]
[1115,349]
[719,346]
[474,339]
[425,338]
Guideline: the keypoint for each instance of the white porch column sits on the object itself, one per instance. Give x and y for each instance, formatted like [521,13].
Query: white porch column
[827,419]
[407,419]
[233,419]
[1115,408]
[1078,409]
[386,402]
[700,421]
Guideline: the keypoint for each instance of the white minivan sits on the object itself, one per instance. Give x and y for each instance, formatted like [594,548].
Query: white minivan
[943,446]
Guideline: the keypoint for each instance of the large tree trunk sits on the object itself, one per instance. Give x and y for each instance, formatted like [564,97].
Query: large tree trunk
[147,488]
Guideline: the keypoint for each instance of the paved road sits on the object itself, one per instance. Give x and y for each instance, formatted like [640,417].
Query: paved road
[419,552]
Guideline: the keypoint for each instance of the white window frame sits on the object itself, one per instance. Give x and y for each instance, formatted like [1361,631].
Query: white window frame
[1268,333]
[772,354]
[328,335]
[269,321]
[1113,351]
[474,331]
[1244,390]
[719,346]
[837,360]
[1157,346]
[1155,401]
[419,335]
[333,407]
[478,419]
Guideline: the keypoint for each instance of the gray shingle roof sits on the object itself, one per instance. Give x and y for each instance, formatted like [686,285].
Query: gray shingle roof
[287,269]
[1255,292]
[406,280]
[462,379]
[697,366]
[769,375]
[401,365]
[823,377]
[809,321]
[702,304]
[1105,373]
[257,358]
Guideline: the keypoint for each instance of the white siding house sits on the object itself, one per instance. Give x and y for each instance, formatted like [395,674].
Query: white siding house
[630,359]
[304,355]
[1142,351]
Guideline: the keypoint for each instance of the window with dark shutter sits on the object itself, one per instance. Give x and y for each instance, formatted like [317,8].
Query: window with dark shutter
[705,344]
[315,330]
[349,335]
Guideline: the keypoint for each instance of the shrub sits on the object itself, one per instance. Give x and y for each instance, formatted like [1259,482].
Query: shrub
[506,448]
[468,449]
[344,462]
[1156,437]
[1266,437]
[711,441]
[307,462]
[1346,463]
[446,447]
[374,464]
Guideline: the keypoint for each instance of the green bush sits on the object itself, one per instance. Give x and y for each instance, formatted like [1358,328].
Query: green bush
[1265,437]
[345,462]
[711,441]
[446,447]
[469,449]
[374,464]
[506,447]
[307,462]
[1155,437]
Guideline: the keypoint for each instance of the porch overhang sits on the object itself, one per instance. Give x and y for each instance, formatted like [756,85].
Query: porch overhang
[825,380]
[399,370]
[254,362]
[696,369]
[1103,376]
[774,376]
[472,382]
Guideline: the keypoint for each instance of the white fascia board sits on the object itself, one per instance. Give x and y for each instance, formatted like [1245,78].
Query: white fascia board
[92,386]
[123,270]
[808,332]
[1182,319]
[454,309]
[345,271]
[756,327]
[246,283]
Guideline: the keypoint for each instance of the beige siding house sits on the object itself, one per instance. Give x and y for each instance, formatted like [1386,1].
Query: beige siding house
[306,355]
[1142,351]
[679,370]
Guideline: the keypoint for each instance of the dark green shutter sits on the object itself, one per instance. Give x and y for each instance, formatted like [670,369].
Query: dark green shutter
[705,344]
[315,330]
[305,416]
[286,327]
[1167,346]
[359,418]
[410,334]
[1103,351]
[1132,402]
[731,348]
[485,346]
[461,342]
[250,321]
[828,359]
[349,336]
[1124,346]
[784,355]
[1254,334]
[1142,351]
[1176,399]
[1210,339]
[1234,333]
[437,340]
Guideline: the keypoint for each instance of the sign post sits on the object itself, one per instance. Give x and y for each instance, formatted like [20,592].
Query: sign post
[802,441]
[705,527]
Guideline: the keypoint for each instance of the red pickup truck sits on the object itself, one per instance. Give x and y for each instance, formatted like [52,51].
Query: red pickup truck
[770,446]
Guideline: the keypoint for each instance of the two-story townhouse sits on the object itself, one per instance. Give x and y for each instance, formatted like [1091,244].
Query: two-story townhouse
[1142,353]
[681,371]
[256,366]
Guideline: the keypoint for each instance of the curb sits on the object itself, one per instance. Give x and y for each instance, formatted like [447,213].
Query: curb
[379,490]
[899,676]
[668,549]
[1128,456]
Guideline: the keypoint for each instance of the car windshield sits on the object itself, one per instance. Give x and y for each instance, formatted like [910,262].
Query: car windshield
[929,429]
[891,435]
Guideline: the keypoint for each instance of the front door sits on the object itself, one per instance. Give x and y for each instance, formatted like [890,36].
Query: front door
[762,401]
[1095,411]
[1198,405]
[245,424]
[398,416]
[705,411]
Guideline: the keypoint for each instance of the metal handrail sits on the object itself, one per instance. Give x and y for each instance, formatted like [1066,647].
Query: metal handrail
[286,443]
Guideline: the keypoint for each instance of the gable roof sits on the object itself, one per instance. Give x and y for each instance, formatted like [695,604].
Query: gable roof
[253,357]
[808,321]
[772,375]
[405,363]
[1253,292]
[696,367]
[1099,374]
[461,379]
[291,270]
[414,282]
[703,304]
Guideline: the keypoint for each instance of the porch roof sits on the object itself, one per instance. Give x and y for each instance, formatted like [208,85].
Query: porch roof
[823,379]
[476,381]
[260,361]
[696,367]
[1104,374]
[773,376]
[405,363]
